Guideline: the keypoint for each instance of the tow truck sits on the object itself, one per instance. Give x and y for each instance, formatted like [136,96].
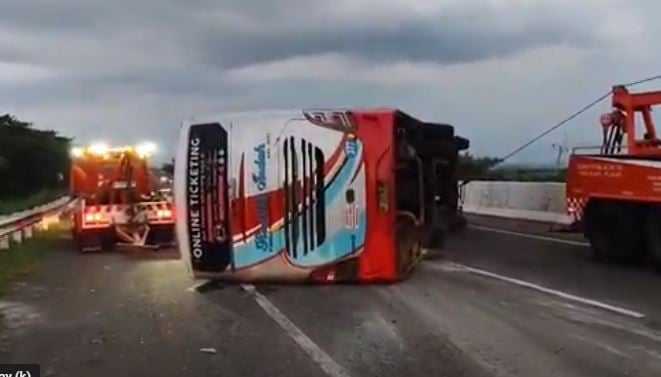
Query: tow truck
[117,199]
[614,190]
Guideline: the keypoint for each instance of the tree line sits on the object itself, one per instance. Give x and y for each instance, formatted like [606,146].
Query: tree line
[470,168]
[31,160]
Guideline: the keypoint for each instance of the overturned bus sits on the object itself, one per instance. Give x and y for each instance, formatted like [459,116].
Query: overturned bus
[313,196]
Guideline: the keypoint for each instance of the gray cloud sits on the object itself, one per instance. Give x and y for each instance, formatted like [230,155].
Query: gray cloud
[174,57]
[234,33]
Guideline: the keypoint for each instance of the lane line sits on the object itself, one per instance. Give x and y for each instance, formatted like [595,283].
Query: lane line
[645,333]
[325,362]
[532,236]
[653,353]
[451,266]
[599,344]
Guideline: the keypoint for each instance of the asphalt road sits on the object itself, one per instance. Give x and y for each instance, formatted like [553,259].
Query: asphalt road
[491,303]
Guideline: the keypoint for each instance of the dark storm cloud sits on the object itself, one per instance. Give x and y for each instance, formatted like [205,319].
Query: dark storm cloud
[174,46]
[69,64]
[171,46]
[231,34]
[457,34]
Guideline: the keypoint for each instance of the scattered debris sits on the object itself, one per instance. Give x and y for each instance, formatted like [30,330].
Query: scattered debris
[205,286]
[16,314]
[209,350]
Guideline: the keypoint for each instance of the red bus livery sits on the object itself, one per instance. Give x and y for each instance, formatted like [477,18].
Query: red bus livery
[318,196]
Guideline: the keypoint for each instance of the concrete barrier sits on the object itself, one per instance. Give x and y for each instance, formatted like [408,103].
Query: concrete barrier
[538,201]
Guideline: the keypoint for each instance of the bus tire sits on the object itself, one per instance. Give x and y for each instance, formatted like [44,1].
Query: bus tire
[653,236]
[615,231]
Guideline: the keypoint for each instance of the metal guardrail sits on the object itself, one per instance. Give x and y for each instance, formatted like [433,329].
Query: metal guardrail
[18,226]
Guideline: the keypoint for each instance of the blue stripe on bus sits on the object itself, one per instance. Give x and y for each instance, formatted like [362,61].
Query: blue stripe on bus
[338,246]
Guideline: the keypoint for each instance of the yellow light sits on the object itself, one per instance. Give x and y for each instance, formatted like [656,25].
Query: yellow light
[77,152]
[145,149]
[98,148]
[164,213]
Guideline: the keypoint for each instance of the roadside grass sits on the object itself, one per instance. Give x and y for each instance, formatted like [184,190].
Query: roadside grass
[23,259]
[11,205]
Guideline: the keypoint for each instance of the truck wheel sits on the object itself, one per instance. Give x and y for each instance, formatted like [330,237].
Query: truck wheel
[615,231]
[653,236]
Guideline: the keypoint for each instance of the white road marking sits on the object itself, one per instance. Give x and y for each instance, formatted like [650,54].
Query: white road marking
[450,266]
[653,353]
[196,287]
[599,344]
[532,236]
[325,362]
[625,326]
[649,352]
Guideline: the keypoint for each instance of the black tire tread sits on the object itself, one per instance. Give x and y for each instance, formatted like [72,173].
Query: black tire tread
[615,231]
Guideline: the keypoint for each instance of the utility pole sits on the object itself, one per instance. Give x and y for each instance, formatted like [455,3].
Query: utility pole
[562,149]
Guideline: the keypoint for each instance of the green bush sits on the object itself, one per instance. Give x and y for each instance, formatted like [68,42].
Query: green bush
[32,162]
[11,205]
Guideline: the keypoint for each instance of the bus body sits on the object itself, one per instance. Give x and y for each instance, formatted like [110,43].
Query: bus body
[304,196]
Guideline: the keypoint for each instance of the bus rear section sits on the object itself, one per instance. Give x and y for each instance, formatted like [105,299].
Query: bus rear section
[312,196]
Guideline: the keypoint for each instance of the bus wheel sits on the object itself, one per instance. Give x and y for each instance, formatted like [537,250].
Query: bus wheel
[653,236]
[615,231]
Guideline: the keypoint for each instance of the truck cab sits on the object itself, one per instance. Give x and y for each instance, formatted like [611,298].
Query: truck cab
[117,198]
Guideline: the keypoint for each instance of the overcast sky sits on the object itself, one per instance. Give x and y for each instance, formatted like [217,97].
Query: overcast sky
[499,70]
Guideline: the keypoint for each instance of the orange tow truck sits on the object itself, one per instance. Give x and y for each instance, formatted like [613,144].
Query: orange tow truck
[614,191]
[118,199]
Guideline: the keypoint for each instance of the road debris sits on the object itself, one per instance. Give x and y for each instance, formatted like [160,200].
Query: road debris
[209,350]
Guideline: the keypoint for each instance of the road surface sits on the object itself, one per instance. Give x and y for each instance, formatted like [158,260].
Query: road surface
[500,300]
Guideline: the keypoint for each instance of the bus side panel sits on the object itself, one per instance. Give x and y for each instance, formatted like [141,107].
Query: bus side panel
[329,221]
[201,197]
[269,217]
[179,191]
[292,213]
[378,260]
